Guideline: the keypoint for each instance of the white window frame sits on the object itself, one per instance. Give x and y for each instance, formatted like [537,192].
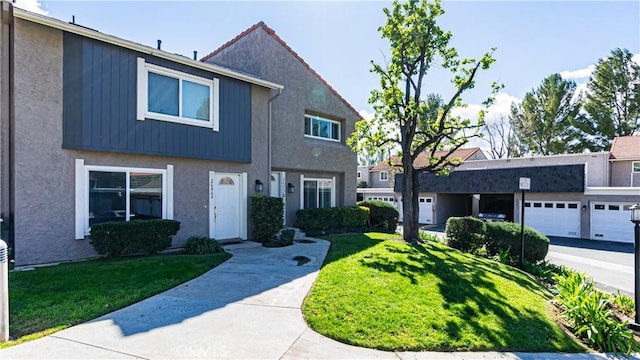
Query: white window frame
[333,189]
[143,112]
[82,192]
[386,177]
[633,167]
[322,119]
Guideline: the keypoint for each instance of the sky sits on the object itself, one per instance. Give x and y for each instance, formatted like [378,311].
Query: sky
[339,39]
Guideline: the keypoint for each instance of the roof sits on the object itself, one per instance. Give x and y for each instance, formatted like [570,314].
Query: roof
[90,33]
[625,148]
[272,33]
[422,160]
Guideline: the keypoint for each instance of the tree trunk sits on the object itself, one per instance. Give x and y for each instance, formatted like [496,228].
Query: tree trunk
[409,201]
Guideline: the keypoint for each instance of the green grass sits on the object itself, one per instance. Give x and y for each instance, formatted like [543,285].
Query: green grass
[384,294]
[49,299]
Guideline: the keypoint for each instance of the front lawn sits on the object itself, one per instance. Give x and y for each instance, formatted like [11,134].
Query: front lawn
[49,299]
[380,293]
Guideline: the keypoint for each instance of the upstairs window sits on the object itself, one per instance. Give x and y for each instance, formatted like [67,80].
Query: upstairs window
[321,128]
[170,95]
[636,166]
[384,176]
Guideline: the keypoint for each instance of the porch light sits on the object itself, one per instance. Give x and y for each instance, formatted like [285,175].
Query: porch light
[635,213]
[259,186]
[291,188]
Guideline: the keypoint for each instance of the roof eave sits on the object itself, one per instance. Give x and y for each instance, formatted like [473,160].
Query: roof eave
[61,25]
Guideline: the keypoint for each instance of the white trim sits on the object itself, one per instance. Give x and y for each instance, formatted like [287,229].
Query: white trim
[244,198]
[333,191]
[627,191]
[143,111]
[301,191]
[168,190]
[215,112]
[380,175]
[384,190]
[61,25]
[84,189]
[212,203]
[141,90]
[322,119]
[80,199]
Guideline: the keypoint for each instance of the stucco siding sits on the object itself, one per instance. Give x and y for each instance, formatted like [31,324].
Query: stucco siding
[597,165]
[260,54]
[621,174]
[45,172]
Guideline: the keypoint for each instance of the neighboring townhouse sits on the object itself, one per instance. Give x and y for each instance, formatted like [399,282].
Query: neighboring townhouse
[311,165]
[97,128]
[576,195]
[382,183]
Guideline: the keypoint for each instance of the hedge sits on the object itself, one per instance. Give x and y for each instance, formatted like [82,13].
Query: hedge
[501,236]
[382,215]
[465,233]
[266,215]
[332,220]
[119,238]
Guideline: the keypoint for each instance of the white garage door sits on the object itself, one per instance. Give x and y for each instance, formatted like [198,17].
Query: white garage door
[553,218]
[610,221]
[425,210]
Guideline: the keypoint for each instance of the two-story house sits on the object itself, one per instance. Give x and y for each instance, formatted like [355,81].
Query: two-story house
[311,165]
[96,128]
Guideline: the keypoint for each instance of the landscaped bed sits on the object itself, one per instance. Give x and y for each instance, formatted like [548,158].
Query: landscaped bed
[380,293]
[49,299]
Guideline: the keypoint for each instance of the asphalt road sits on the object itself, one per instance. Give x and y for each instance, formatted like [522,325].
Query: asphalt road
[610,264]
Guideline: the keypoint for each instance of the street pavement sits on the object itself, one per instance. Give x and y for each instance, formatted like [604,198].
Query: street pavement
[609,264]
[247,308]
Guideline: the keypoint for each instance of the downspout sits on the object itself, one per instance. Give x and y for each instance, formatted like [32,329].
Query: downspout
[269,134]
[6,124]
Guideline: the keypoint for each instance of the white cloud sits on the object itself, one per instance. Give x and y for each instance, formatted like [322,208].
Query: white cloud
[636,58]
[31,5]
[501,107]
[365,114]
[578,74]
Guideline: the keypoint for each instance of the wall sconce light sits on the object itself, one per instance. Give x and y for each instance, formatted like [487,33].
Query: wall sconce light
[259,186]
[584,207]
[291,188]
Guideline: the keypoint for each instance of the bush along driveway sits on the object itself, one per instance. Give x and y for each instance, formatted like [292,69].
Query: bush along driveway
[379,292]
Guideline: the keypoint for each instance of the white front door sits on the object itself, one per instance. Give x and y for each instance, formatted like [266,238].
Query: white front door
[225,221]
[275,185]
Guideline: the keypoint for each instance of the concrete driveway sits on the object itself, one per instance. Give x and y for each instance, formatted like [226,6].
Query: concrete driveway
[247,308]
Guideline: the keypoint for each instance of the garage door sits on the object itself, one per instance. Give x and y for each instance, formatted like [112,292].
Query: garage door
[425,210]
[553,218]
[610,222]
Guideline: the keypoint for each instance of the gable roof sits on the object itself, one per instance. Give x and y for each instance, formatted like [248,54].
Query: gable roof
[94,34]
[422,161]
[625,148]
[272,33]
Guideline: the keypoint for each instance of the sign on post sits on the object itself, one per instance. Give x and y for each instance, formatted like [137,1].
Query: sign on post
[525,183]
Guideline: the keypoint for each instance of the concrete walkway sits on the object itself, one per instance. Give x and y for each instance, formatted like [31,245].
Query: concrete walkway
[247,308]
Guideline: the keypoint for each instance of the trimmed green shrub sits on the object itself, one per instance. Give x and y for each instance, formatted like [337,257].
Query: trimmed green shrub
[465,233]
[382,215]
[266,215]
[133,237]
[501,236]
[201,245]
[332,220]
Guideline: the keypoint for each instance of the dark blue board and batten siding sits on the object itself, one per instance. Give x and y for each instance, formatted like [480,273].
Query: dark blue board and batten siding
[99,108]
